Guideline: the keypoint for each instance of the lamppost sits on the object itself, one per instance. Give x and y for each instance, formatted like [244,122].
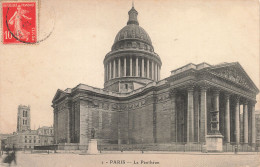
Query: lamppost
[142,146]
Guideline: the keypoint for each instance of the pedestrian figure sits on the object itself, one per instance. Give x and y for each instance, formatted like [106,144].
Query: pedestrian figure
[10,157]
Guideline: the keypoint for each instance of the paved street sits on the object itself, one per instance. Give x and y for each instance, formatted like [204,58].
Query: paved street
[153,159]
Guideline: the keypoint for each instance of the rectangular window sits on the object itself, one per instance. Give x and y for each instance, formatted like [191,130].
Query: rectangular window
[30,141]
[25,141]
[34,141]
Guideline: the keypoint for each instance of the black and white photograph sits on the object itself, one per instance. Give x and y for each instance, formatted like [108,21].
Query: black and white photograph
[142,83]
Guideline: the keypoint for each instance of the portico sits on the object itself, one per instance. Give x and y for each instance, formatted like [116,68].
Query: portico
[211,104]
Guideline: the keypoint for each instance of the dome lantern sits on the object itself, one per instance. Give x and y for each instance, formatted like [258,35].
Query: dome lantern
[132,16]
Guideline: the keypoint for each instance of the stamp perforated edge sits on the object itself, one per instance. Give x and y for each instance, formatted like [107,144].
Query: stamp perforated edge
[37,10]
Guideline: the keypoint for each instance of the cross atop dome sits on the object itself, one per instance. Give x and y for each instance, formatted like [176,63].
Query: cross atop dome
[133,16]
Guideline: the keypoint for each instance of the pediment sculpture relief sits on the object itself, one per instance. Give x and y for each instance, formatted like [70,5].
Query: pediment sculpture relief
[234,75]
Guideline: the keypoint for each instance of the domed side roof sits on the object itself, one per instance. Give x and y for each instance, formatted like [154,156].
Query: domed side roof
[133,31]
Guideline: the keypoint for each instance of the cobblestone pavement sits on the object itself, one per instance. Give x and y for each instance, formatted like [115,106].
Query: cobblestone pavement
[136,159]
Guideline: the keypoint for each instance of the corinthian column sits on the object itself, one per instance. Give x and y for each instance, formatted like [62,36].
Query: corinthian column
[119,67]
[215,113]
[114,69]
[110,70]
[190,115]
[124,66]
[136,66]
[152,70]
[105,73]
[155,71]
[203,114]
[107,66]
[148,70]
[131,66]
[245,120]
[159,72]
[237,130]
[253,124]
[142,67]
[227,118]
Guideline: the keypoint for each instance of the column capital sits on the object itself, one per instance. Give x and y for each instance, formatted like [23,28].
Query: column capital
[252,102]
[173,92]
[227,95]
[237,98]
[216,91]
[245,102]
[203,85]
[203,88]
[190,86]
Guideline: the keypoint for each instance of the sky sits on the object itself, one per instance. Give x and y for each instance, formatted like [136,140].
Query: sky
[83,31]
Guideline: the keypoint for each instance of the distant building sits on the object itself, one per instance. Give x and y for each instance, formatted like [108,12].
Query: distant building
[23,118]
[24,137]
[29,139]
[46,135]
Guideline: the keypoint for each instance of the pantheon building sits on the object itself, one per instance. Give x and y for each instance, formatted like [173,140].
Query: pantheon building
[136,106]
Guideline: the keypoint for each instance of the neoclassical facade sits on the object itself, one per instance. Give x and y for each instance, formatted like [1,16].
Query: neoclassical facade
[136,106]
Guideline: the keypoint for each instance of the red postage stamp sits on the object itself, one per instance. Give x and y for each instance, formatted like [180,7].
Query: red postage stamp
[19,22]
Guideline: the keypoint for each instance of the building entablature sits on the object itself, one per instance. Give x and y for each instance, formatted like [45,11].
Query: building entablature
[132,52]
[204,77]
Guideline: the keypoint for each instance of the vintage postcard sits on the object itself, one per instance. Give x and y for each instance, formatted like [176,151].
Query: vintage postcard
[129,83]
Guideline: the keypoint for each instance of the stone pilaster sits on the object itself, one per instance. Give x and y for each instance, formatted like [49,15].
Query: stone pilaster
[227,118]
[100,122]
[173,116]
[131,66]
[190,116]
[245,122]
[119,129]
[136,66]
[237,126]
[203,114]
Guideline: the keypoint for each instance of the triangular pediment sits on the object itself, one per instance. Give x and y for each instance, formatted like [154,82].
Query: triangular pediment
[59,94]
[234,72]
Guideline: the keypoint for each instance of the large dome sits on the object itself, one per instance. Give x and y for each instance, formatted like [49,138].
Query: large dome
[133,31]
[132,62]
